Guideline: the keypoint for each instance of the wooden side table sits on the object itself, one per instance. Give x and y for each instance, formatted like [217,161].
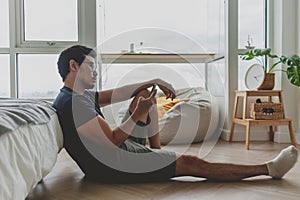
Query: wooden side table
[248,122]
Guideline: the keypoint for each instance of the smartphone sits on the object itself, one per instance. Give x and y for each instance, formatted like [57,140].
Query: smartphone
[152,90]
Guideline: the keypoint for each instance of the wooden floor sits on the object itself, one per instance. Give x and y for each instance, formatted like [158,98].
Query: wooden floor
[66,181]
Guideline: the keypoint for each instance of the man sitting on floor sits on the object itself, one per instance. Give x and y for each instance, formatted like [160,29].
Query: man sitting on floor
[121,154]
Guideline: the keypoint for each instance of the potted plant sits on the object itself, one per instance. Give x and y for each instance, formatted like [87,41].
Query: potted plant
[292,66]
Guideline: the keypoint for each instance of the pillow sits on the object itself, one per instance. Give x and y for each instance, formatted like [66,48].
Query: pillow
[163,105]
[189,121]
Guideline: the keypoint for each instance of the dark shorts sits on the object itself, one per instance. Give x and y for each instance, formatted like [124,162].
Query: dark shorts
[138,163]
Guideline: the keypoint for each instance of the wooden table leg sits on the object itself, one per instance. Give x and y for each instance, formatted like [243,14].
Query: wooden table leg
[293,142]
[271,133]
[236,100]
[247,136]
[231,131]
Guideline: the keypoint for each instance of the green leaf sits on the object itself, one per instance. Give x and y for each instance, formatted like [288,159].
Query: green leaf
[293,74]
[247,57]
[283,59]
[293,63]
[295,60]
[273,56]
[257,52]
[266,51]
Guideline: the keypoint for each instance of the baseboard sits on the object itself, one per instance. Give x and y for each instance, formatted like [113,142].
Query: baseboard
[284,137]
[260,135]
[240,135]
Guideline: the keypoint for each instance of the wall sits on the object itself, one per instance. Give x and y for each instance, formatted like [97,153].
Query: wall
[231,74]
[298,26]
[298,52]
[285,42]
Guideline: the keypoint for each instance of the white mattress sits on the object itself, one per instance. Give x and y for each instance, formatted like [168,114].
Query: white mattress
[26,156]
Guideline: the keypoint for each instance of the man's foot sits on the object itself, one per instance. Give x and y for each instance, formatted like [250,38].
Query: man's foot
[285,160]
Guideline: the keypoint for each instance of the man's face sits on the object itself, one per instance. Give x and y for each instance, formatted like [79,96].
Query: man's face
[87,74]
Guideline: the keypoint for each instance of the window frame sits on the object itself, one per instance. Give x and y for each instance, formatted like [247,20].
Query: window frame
[267,36]
[20,33]
[19,71]
[232,53]
[86,31]
[102,37]
[3,52]
[87,36]
[3,49]
[125,58]
[266,27]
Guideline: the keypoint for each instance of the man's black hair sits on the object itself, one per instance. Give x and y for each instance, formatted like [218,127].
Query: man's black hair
[77,53]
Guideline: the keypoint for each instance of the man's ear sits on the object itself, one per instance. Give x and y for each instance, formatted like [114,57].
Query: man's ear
[73,65]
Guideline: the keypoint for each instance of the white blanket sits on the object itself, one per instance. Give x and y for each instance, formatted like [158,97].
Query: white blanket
[18,112]
[26,156]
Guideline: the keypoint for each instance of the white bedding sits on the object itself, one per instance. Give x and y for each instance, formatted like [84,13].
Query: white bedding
[26,156]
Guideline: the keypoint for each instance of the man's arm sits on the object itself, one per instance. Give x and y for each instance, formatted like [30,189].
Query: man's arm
[99,131]
[126,92]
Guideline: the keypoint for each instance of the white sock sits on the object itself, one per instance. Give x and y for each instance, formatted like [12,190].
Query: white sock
[285,160]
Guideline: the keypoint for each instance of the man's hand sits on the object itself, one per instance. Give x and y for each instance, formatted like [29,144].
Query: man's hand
[167,88]
[144,104]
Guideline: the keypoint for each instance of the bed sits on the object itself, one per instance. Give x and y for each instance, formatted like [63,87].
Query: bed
[30,140]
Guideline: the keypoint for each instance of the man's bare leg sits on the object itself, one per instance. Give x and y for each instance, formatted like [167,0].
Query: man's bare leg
[193,166]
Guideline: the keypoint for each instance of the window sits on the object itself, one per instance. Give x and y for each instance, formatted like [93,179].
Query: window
[160,27]
[4,24]
[38,76]
[216,77]
[190,26]
[53,20]
[4,76]
[28,64]
[252,23]
[180,75]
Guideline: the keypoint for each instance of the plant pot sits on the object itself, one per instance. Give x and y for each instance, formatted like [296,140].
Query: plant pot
[268,83]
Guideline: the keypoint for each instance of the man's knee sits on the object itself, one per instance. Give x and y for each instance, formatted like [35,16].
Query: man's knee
[189,160]
[187,165]
[143,93]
